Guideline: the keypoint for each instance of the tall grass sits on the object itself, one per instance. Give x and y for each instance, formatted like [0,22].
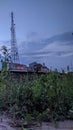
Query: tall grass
[49,97]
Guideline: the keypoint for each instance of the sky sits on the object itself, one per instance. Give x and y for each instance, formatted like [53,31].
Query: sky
[43,30]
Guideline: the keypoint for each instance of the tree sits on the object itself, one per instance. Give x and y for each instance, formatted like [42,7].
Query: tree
[5,56]
[5,53]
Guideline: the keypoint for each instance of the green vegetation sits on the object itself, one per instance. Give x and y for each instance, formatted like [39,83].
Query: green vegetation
[47,98]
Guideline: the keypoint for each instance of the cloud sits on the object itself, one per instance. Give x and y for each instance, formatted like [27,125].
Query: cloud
[59,49]
[45,54]
[54,51]
[33,36]
[5,43]
[60,45]
[64,37]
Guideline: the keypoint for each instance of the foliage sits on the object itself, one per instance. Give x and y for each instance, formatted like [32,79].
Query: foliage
[47,98]
[5,53]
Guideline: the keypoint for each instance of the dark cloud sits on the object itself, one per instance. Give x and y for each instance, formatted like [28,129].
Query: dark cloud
[43,47]
[6,43]
[48,53]
[59,45]
[64,37]
[33,36]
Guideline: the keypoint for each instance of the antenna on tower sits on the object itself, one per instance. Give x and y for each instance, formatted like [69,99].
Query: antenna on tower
[14,49]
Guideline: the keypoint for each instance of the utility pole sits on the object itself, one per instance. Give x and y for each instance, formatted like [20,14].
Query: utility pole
[14,49]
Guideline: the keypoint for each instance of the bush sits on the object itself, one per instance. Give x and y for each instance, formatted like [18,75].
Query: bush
[49,97]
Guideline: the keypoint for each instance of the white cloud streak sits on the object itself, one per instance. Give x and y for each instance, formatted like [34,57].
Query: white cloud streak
[55,49]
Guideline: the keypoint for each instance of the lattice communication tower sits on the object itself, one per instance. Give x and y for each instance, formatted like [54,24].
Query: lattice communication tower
[14,48]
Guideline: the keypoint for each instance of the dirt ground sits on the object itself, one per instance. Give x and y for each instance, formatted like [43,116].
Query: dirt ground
[62,125]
